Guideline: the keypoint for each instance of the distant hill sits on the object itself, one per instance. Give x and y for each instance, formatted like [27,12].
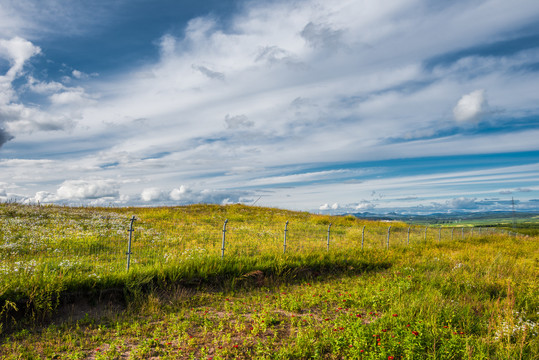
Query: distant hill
[486,218]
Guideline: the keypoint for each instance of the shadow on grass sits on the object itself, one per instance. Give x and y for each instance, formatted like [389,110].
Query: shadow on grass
[74,299]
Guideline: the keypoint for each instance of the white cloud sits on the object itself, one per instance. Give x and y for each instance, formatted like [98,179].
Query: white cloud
[21,119]
[77,74]
[153,194]
[471,107]
[73,96]
[44,197]
[178,194]
[463,203]
[17,50]
[364,205]
[42,87]
[324,207]
[87,189]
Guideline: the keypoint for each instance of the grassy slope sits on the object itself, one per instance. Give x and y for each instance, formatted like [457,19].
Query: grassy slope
[473,299]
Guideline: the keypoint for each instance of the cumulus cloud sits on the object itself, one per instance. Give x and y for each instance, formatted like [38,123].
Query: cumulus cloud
[153,194]
[72,96]
[43,87]
[77,74]
[365,205]
[324,207]
[45,197]
[87,189]
[471,107]
[22,119]
[180,193]
[185,195]
[17,50]
[463,203]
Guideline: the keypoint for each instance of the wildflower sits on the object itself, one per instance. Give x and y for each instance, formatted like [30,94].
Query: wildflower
[390,357]
[415,333]
[384,330]
[235,346]
[395,315]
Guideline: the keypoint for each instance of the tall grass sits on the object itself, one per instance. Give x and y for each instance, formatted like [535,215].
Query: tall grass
[467,298]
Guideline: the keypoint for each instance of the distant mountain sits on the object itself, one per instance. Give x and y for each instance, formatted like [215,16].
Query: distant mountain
[461,216]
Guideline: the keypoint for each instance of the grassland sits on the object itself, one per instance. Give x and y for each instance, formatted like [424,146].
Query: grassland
[440,294]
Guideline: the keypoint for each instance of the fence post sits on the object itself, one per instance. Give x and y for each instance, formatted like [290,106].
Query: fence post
[452,229]
[129,243]
[426,227]
[224,236]
[285,230]
[388,232]
[408,236]
[462,233]
[362,236]
[329,229]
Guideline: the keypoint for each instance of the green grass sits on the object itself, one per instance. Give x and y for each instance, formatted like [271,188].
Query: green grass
[470,298]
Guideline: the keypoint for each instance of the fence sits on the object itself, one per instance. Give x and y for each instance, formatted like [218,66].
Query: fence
[108,242]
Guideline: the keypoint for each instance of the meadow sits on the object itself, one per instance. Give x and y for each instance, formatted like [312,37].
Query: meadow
[433,293]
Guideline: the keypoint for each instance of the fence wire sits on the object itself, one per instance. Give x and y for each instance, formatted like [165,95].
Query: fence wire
[95,243]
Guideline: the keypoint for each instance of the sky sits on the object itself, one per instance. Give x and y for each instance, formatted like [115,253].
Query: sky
[333,106]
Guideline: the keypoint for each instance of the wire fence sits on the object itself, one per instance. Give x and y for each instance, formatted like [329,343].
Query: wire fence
[103,243]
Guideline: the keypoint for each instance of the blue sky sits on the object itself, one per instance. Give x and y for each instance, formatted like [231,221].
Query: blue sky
[328,106]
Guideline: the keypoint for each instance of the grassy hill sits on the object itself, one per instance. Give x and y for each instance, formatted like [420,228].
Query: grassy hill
[433,293]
